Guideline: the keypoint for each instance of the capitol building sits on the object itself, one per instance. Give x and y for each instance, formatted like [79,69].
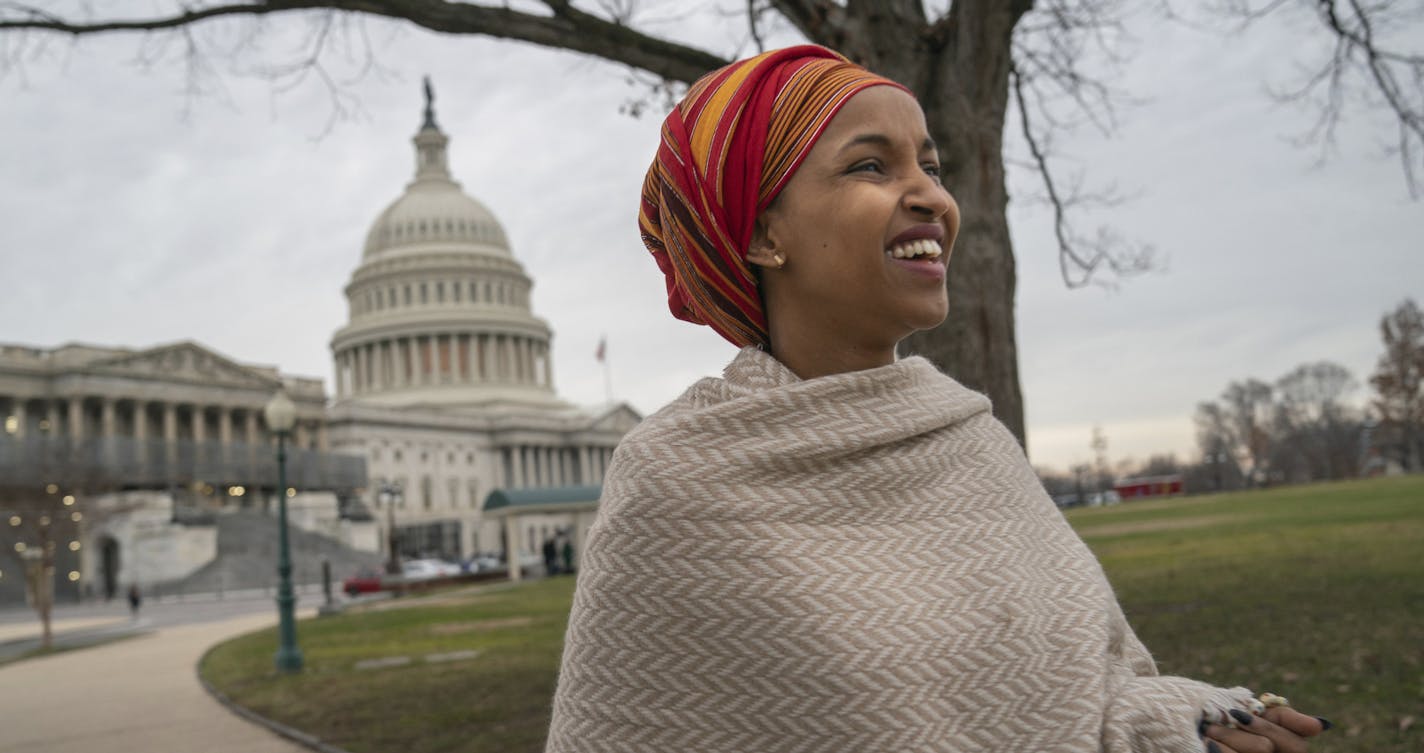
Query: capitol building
[444,435]
[444,379]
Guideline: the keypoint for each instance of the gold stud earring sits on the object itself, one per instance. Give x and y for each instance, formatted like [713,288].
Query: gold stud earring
[779,259]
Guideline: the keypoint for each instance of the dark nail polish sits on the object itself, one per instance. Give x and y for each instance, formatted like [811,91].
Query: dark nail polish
[1242,718]
[1212,747]
[1201,728]
[1325,723]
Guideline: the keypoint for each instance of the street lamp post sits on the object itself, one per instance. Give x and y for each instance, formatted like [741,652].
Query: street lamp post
[281,415]
[389,495]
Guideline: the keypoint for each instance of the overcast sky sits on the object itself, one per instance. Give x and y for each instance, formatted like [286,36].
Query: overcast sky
[133,215]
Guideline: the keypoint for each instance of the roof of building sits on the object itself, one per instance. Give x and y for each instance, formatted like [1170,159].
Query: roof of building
[434,212]
[554,499]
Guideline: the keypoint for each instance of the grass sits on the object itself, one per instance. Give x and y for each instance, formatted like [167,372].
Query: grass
[1315,593]
[497,701]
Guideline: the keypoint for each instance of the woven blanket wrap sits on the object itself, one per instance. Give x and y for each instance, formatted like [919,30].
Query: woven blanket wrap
[859,562]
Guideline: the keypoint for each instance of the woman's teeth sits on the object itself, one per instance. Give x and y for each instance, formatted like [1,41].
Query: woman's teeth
[925,247]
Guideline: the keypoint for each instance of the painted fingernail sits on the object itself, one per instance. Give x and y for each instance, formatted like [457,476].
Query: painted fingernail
[1325,723]
[1212,747]
[1201,728]
[1242,718]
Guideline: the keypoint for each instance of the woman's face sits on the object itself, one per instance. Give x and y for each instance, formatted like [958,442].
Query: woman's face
[864,225]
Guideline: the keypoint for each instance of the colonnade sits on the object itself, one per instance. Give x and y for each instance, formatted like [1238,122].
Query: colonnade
[438,359]
[83,417]
[534,466]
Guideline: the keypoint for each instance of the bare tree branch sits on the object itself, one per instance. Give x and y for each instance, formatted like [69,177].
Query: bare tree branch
[1079,259]
[566,28]
[1055,93]
[1396,76]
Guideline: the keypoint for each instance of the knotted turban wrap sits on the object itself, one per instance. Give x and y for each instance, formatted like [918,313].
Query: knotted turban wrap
[727,150]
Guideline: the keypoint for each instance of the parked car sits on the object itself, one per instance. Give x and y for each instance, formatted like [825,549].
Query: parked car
[484,563]
[365,582]
[425,569]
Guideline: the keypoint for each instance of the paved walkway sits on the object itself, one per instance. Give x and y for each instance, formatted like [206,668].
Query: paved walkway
[136,695]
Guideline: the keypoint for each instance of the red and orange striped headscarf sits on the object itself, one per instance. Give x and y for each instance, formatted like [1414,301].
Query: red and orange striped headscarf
[727,150]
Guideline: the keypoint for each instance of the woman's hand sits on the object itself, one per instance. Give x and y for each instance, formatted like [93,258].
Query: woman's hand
[1280,730]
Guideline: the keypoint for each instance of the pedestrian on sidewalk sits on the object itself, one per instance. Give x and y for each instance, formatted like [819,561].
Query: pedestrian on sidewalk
[135,600]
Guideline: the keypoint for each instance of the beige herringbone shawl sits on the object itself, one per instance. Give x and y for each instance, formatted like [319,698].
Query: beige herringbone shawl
[860,562]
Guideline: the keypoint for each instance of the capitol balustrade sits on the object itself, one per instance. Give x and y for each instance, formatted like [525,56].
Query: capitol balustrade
[129,463]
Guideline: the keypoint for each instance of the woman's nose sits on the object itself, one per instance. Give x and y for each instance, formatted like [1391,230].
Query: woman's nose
[928,198]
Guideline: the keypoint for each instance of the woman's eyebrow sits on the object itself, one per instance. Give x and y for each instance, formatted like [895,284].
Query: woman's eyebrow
[881,140]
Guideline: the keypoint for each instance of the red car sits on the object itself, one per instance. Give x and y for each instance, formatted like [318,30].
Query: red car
[365,582]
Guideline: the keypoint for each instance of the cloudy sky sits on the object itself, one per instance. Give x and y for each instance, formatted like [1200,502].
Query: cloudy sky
[134,214]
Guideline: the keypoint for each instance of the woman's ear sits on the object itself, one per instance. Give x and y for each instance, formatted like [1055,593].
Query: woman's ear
[763,251]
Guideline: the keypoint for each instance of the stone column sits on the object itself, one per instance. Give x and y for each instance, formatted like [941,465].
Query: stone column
[108,420]
[140,422]
[21,417]
[140,434]
[170,423]
[250,427]
[472,373]
[76,418]
[358,381]
[225,425]
[199,425]
[548,368]
[323,441]
[584,475]
[517,452]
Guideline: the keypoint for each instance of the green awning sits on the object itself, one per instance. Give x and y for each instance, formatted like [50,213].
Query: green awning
[549,500]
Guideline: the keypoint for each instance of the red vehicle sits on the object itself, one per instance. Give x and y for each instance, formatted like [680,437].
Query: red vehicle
[363,583]
[1148,487]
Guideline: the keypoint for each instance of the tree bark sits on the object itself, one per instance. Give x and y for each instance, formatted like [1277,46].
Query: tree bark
[959,69]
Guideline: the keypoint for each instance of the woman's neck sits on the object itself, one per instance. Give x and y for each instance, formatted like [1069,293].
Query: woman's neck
[807,358]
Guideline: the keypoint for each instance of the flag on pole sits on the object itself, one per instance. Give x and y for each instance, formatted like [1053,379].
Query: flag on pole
[602,349]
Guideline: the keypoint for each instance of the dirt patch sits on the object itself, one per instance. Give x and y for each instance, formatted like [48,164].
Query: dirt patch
[478,626]
[1152,526]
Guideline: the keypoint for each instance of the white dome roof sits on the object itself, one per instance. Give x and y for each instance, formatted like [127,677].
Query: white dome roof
[435,211]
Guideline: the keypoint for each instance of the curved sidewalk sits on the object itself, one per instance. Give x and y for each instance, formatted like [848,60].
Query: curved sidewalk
[139,694]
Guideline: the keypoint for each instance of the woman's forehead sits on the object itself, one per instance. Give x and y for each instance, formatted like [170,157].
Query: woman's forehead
[883,115]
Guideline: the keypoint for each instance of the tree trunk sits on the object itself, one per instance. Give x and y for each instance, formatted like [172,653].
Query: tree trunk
[963,86]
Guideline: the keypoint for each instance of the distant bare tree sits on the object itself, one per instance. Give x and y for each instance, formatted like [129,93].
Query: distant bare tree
[45,508]
[966,61]
[1218,444]
[1248,408]
[1398,380]
[1314,424]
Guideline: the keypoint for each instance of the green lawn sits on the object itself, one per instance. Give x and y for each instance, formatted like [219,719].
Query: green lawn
[1316,593]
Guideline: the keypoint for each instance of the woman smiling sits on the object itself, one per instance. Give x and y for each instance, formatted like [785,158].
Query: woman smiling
[829,549]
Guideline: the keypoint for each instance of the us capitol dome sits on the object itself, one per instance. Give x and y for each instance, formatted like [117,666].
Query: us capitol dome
[444,383]
[439,306]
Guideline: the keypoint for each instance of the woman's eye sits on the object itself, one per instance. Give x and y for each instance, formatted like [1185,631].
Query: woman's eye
[871,166]
[932,169]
